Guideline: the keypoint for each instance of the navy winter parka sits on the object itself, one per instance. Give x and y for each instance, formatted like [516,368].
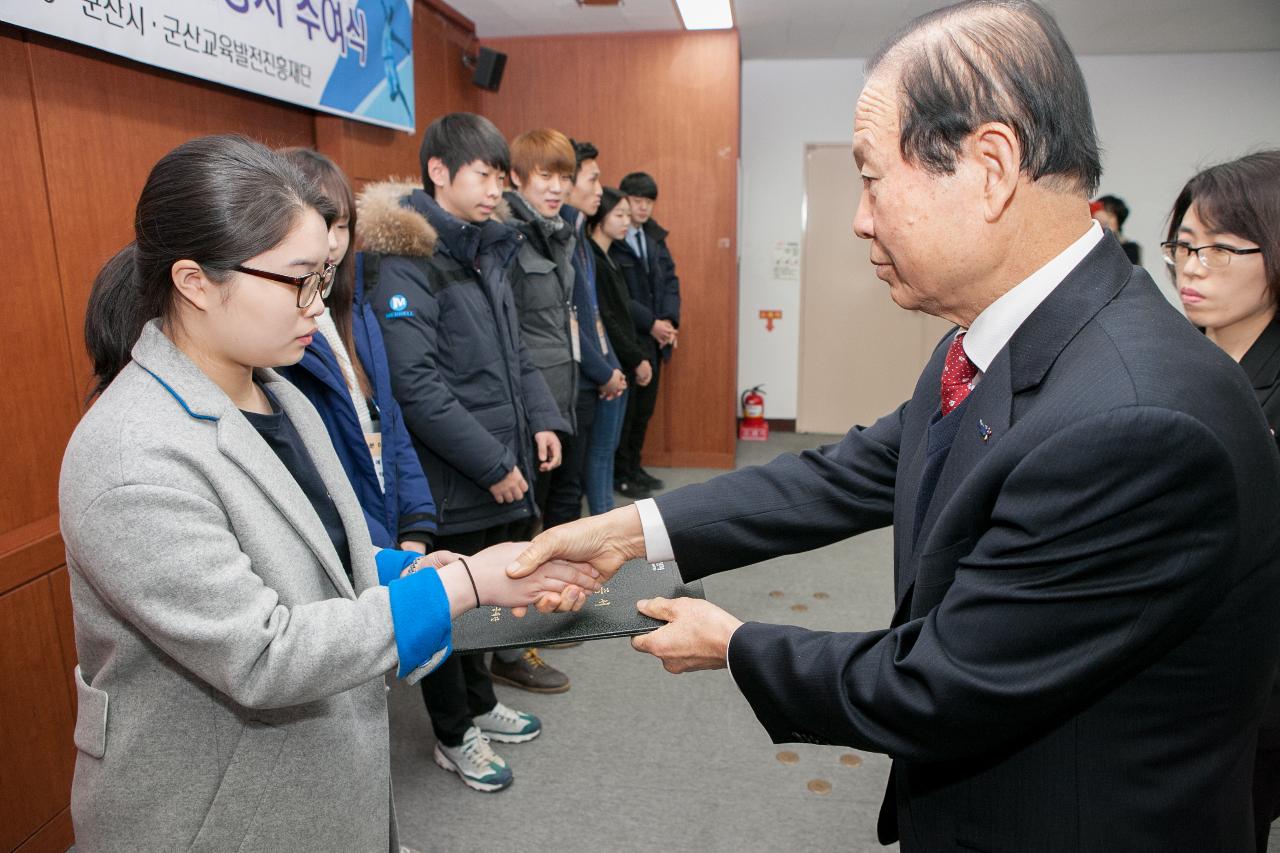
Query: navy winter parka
[405,510]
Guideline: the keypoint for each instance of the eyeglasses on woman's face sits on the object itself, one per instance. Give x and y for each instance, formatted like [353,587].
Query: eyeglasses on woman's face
[1214,256]
[309,285]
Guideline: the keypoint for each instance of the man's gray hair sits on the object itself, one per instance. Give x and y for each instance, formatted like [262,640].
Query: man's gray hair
[982,61]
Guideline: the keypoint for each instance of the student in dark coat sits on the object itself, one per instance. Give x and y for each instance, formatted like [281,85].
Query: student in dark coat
[608,225]
[655,306]
[602,387]
[436,267]
[1223,250]
[543,281]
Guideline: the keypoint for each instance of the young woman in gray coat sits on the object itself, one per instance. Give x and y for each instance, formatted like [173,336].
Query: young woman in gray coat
[233,620]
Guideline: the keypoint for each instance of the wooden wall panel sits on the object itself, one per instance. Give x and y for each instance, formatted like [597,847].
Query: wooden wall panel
[38,406]
[104,122]
[441,83]
[35,739]
[667,104]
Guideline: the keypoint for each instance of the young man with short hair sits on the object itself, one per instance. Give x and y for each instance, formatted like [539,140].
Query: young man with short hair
[435,266]
[655,306]
[603,385]
[542,284]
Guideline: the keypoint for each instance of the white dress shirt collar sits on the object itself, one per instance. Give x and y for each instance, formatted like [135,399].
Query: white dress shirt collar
[993,328]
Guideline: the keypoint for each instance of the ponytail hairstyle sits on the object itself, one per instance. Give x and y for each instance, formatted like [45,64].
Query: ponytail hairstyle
[609,199]
[216,200]
[333,184]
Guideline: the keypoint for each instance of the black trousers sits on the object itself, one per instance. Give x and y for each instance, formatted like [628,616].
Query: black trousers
[460,688]
[640,405]
[1266,794]
[558,492]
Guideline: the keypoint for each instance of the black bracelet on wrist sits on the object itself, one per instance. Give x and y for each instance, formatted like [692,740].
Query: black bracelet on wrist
[472,579]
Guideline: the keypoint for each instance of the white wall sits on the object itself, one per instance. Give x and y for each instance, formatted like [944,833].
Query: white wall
[1160,118]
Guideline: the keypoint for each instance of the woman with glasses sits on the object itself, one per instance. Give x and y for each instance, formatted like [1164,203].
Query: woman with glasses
[1223,250]
[233,620]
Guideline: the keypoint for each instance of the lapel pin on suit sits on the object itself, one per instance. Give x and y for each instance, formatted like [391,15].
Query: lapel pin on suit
[984,431]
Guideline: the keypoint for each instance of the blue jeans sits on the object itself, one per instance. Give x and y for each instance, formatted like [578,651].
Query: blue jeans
[605,432]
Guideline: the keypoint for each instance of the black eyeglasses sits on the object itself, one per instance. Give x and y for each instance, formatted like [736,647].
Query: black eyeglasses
[308,285]
[1214,256]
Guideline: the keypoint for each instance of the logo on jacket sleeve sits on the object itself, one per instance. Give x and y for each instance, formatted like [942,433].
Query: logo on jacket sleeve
[399,305]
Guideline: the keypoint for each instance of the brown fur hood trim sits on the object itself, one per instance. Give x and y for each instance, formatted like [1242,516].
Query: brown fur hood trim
[389,228]
[502,213]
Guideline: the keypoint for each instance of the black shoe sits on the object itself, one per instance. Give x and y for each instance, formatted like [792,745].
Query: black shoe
[529,672]
[631,489]
[647,480]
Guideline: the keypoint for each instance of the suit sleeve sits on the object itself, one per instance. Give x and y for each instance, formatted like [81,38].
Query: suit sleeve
[1105,548]
[795,503]
[431,411]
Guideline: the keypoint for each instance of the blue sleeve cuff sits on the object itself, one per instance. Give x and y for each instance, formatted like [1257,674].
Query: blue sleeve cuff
[391,563]
[420,616]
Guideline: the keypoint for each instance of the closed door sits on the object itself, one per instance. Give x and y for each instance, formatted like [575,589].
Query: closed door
[860,354]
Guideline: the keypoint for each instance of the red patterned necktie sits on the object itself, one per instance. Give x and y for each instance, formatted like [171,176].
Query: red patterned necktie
[957,376]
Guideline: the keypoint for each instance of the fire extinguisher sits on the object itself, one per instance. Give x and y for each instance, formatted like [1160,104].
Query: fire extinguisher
[753,407]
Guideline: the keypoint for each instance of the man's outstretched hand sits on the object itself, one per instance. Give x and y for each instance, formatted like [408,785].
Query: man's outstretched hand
[695,637]
[605,541]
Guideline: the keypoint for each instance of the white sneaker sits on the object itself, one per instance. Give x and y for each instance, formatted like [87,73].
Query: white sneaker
[479,767]
[506,725]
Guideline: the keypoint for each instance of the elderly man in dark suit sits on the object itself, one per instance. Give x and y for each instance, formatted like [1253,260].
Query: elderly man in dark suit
[1084,495]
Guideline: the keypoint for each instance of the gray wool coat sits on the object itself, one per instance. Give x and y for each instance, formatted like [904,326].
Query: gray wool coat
[231,692]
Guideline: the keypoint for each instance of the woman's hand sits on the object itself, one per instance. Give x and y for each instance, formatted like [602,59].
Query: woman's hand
[569,582]
[434,560]
[613,389]
[644,373]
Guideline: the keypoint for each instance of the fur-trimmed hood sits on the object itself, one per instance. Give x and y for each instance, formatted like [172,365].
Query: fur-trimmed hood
[387,226]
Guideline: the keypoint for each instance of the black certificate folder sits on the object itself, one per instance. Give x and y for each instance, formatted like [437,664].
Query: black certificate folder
[611,612]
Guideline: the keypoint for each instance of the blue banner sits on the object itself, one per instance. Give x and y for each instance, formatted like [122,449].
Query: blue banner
[352,58]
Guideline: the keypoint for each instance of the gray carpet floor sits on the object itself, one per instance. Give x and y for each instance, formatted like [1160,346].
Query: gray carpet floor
[633,758]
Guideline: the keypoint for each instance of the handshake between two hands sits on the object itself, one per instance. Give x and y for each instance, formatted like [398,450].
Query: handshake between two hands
[562,566]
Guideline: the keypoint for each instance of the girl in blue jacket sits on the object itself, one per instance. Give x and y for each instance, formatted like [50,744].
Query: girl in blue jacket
[344,374]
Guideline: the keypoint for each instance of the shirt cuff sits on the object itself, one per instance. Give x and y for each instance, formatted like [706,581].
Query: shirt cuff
[657,544]
[420,618]
[391,563]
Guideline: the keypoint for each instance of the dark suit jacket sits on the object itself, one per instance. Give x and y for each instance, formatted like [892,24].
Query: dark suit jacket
[655,288]
[1262,364]
[1083,639]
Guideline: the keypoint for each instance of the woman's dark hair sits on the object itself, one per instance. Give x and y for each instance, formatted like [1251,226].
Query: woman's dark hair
[1241,197]
[609,198]
[639,184]
[216,200]
[460,139]
[985,61]
[330,180]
